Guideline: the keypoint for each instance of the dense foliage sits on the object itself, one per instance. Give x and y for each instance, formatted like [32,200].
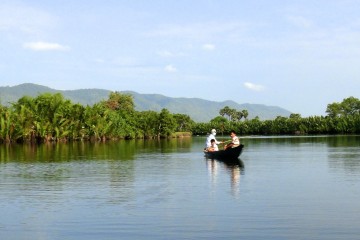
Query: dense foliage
[342,118]
[50,117]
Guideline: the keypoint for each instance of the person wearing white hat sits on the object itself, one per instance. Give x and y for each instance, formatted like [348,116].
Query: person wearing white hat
[211,136]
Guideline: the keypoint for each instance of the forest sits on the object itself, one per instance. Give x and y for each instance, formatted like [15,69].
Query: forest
[51,118]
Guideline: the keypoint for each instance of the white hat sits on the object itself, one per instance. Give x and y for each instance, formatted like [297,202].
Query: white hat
[213,131]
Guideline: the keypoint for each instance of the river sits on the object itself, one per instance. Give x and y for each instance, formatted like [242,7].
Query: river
[303,187]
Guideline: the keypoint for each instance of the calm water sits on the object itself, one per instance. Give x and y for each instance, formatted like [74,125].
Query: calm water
[281,188]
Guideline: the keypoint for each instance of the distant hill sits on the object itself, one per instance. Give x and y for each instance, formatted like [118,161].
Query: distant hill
[199,110]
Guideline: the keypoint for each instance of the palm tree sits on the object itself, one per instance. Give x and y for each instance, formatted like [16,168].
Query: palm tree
[245,113]
[6,126]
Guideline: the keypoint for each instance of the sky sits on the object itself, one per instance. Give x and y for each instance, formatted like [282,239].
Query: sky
[299,55]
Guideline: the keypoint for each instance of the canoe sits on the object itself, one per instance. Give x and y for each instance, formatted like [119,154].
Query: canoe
[230,153]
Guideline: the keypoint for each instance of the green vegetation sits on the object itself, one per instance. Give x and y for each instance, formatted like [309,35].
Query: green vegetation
[50,117]
[342,118]
[199,110]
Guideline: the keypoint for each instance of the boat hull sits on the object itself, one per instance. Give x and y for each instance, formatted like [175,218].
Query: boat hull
[230,153]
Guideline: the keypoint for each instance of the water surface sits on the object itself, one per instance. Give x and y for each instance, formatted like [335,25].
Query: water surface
[281,188]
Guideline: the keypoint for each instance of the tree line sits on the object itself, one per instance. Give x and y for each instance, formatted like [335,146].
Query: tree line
[342,118]
[50,117]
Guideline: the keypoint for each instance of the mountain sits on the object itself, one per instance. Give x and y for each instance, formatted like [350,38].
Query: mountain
[199,110]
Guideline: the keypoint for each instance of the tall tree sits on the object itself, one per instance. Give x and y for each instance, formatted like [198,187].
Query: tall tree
[245,113]
[120,102]
[184,122]
[167,123]
[333,110]
[238,115]
[226,111]
[348,107]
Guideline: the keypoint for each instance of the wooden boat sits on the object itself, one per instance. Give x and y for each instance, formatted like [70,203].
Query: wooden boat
[229,153]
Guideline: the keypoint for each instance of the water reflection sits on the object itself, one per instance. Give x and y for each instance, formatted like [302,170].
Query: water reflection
[330,140]
[344,154]
[343,141]
[59,152]
[343,151]
[233,167]
[345,159]
[297,186]
[117,150]
[164,145]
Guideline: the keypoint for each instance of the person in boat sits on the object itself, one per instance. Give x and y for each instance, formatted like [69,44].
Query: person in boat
[209,138]
[213,147]
[235,141]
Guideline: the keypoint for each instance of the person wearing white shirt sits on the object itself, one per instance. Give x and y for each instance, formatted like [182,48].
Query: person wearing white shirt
[211,136]
[213,147]
[235,141]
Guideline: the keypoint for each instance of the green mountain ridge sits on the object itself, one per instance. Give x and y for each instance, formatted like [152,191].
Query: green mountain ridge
[199,110]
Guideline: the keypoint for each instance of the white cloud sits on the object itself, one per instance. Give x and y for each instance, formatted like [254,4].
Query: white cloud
[170,68]
[254,87]
[45,46]
[208,47]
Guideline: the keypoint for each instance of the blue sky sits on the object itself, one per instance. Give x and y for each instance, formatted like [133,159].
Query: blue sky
[299,55]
